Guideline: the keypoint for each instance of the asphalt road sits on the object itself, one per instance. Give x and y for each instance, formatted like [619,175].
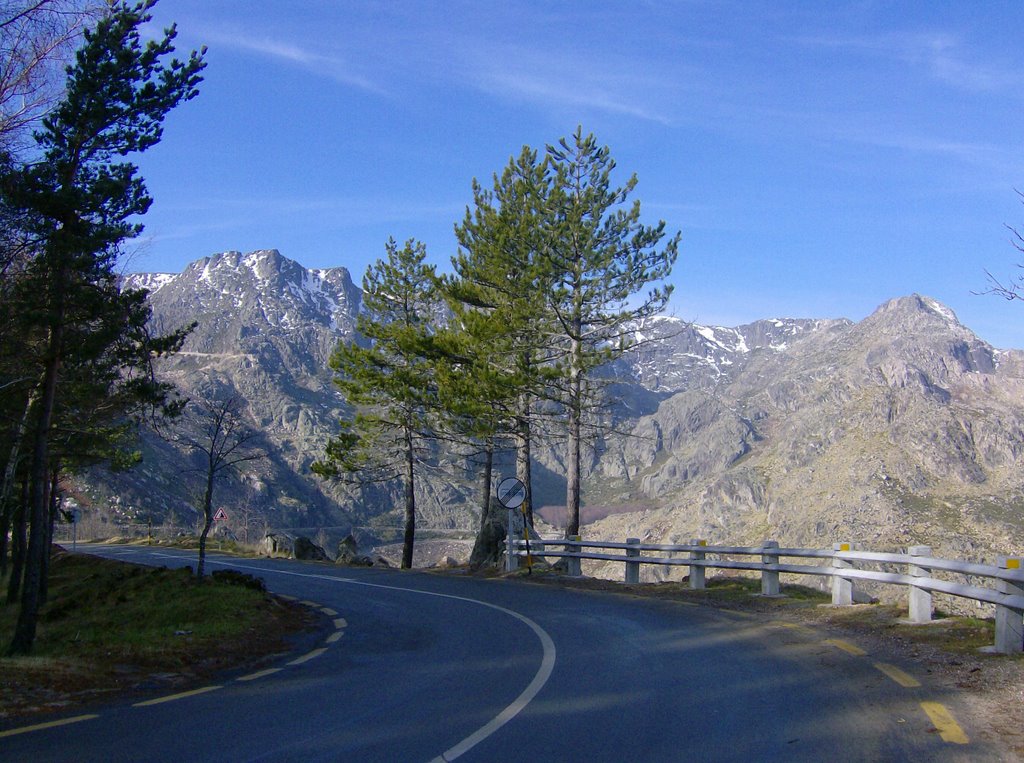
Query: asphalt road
[422,667]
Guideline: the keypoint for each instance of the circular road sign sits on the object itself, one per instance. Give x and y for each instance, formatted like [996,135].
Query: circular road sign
[511,493]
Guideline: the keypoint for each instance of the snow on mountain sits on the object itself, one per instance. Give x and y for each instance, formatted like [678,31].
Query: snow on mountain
[669,354]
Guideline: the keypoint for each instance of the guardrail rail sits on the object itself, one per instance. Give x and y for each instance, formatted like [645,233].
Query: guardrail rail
[1007,592]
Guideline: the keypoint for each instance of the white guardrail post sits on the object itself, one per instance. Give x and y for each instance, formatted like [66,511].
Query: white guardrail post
[573,562]
[919,607]
[697,572]
[633,568]
[842,588]
[1009,621]
[770,578]
[511,560]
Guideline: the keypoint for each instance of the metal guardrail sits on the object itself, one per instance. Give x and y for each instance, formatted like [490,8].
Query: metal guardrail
[1007,594]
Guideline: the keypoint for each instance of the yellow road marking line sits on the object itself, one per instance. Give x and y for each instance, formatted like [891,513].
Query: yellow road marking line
[846,646]
[943,720]
[341,622]
[309,603]
[47,725]
[260,674]
[897,675]
[334,637]
[309,656]
[172,697]
[328,611]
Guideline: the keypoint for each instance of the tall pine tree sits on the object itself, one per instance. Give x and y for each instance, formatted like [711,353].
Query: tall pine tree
[77,202]
[600,259]
[497,298]
[390,382]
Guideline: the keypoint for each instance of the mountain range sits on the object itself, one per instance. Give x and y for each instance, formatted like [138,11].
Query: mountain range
[903,428]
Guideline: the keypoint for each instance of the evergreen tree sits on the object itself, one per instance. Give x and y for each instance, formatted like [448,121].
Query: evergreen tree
[599,259]
[77,202]
[390,383]
[497,299]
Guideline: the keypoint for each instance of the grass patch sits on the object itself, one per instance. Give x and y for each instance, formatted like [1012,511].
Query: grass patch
[109,625]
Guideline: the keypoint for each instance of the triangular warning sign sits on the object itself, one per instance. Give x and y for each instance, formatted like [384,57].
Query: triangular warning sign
[220,516]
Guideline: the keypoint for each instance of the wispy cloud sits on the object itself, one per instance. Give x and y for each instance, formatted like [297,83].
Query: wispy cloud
[980,154]
[597,91]
[944,56]
[329,65]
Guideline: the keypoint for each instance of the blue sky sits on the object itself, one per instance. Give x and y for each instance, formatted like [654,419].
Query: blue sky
[819,158]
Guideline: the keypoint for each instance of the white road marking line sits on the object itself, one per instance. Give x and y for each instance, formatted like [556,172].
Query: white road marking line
[547,663]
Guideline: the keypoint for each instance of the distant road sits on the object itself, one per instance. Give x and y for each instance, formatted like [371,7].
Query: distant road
[423,667]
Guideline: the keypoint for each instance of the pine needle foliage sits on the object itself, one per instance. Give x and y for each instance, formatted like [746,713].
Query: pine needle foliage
[389,380]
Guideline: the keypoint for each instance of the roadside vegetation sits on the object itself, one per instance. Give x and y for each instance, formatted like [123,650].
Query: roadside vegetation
[109,627]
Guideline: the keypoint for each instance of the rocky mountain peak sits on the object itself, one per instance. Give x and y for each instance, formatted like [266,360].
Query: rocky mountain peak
[899,429]
[915,312]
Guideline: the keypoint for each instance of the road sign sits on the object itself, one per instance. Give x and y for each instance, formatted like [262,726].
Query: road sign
[511,493]
[220,516]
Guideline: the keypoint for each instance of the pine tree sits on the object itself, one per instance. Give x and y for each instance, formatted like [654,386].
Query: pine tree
[497,298]
[77,202]
[599,258]
[390,384]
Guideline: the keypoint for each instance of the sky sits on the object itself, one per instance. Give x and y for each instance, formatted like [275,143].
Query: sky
[818,158]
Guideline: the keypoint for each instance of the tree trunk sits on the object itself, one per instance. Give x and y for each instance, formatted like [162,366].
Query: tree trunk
[485,483]
[207,523]
[53,501]
[572,487]
[524,456]
[6,509]
[10,474]
[487,546]
[18,540]
[410,502]
[39,481]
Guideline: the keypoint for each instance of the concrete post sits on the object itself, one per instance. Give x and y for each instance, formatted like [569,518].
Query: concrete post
[696,572]
[1009,620]
[919,607]
[511,560]
[770,578]
[842,588]
[573,562]
[633,568]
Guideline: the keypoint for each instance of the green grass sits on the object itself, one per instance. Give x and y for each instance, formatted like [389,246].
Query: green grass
[101,611]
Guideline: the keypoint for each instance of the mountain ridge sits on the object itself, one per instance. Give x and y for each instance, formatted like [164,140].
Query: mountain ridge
[804,429]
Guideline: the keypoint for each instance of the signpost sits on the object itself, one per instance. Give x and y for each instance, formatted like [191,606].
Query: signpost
[76,514]
[512,495]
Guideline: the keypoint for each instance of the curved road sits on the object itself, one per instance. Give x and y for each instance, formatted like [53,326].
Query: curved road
[438,668]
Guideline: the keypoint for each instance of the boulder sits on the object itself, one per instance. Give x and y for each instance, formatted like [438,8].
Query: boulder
[348,554]
[277,545]
[307,550]
[348,550]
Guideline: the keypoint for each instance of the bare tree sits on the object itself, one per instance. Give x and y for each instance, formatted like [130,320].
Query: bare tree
[223,441]
[37,38]
[1014,287]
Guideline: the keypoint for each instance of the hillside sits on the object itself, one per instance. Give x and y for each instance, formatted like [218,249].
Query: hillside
[902,428]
